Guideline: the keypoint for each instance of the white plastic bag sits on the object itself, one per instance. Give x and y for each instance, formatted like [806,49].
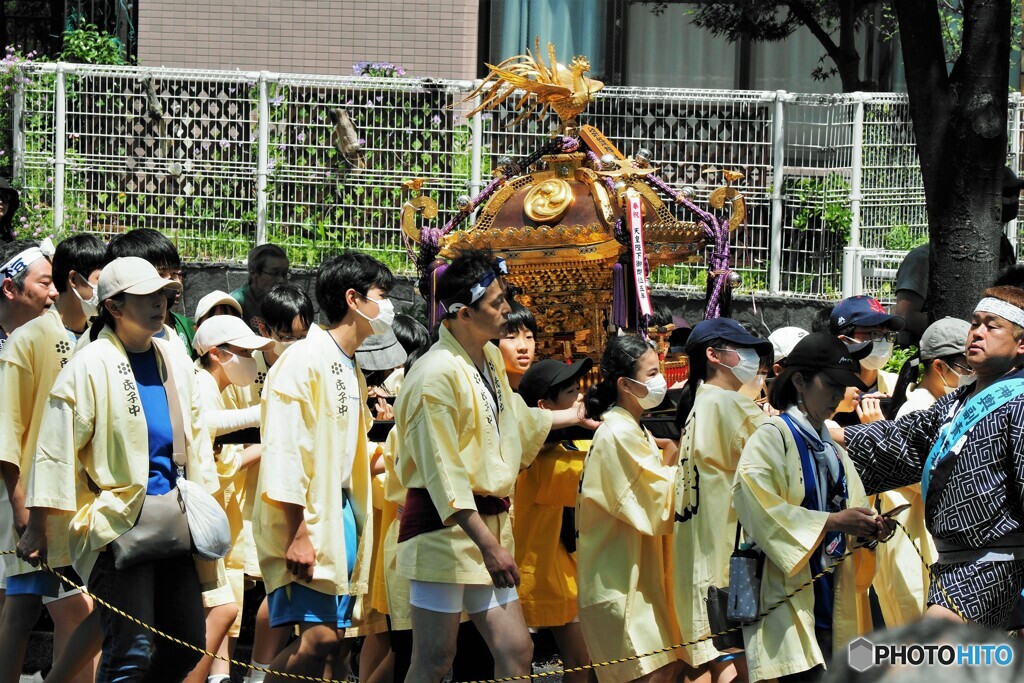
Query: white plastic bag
[211,534]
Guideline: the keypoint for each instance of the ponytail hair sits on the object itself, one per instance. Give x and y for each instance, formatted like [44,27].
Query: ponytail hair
[908,375]
[698,373]
[620,359]
[104,318]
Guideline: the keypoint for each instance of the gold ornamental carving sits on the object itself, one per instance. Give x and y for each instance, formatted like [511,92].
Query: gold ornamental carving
[548,201]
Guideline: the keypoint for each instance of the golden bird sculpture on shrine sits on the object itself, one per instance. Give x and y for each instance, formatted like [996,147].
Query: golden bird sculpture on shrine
[564,90]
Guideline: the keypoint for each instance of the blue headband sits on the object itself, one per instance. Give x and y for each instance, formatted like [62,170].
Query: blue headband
[470,295]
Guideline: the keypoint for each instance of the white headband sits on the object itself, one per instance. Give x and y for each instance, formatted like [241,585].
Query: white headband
[1002,309]
[24,259]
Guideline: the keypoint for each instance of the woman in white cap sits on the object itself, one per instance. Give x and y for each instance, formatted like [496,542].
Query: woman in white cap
[226,369]
[121,427]
[800,502]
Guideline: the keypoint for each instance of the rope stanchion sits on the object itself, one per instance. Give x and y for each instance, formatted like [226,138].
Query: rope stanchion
[524,677]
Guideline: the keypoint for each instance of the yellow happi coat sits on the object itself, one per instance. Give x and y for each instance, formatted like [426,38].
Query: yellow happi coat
[92,456]
[305,424]
[548,588]
[715,433]
[902,579]
[768,492]
[449,443]
[624,549]
[32,358]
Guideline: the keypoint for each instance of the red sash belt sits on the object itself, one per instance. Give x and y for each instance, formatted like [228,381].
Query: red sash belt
[419,516]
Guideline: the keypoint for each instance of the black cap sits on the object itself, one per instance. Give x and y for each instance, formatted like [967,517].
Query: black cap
[544,374]
[728,330]
[828,353]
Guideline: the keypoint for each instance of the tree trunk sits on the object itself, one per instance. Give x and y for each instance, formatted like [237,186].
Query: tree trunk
[960,127]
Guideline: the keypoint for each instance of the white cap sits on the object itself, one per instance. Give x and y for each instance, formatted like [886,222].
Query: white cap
[214,299]
[227,329]
[131,275]
[784,339]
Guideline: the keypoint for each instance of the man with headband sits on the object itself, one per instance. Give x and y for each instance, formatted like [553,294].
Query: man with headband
[26,284]
[967,451]
[463,436]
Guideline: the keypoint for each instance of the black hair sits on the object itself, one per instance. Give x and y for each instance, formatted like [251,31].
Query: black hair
[144,243]
[822,321]
[80,253]
[410,332]
[259,256]
[662,315]
[519,318]
[907,376]
[620,359]
[465,270]
[414,356]
[12,249]
[698,372]
[105,318]
[281,304]
[343,272]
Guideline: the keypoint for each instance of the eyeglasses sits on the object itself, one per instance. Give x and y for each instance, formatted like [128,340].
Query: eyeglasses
[967,370]
[287,338]
[880,337]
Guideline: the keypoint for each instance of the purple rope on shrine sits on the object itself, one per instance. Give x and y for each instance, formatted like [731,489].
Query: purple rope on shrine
[716,229]
[619,316]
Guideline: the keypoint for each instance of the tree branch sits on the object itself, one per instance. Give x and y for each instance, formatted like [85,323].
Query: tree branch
[802,12]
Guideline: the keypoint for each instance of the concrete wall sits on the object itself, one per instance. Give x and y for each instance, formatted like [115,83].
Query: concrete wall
[205,277]
[436,38]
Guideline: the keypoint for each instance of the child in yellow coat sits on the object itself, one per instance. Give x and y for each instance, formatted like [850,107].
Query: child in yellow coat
[624,521]
[543,523]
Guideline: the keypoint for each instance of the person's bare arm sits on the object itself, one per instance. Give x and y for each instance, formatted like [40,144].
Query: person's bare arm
[499,562]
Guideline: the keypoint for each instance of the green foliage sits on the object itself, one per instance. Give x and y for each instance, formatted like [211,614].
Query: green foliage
[902,238]
[900,355]
[821,204]
[85,43]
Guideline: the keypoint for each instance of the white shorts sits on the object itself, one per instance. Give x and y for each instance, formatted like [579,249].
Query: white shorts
[452,598]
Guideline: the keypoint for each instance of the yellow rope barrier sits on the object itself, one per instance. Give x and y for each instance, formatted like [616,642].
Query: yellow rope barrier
[523,677]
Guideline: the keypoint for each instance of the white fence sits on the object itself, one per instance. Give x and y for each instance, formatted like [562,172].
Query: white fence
[222,161]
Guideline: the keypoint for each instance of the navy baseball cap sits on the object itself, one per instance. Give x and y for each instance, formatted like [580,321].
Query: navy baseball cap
[862,311]
[545,374]
[728,330]
[827,353]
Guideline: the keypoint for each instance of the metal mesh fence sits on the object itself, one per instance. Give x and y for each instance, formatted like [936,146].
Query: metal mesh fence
[220,161]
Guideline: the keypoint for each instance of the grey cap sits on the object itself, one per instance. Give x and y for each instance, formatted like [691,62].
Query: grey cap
[946,337]
[381,352]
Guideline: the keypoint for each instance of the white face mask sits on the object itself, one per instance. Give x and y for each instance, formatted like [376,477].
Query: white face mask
[382,323]
[747,369]
[657,387]
[881,351]
[961,381]
[90,306]
[240,371]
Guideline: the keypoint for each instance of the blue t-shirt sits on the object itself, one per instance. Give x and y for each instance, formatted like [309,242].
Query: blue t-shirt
[162,472]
